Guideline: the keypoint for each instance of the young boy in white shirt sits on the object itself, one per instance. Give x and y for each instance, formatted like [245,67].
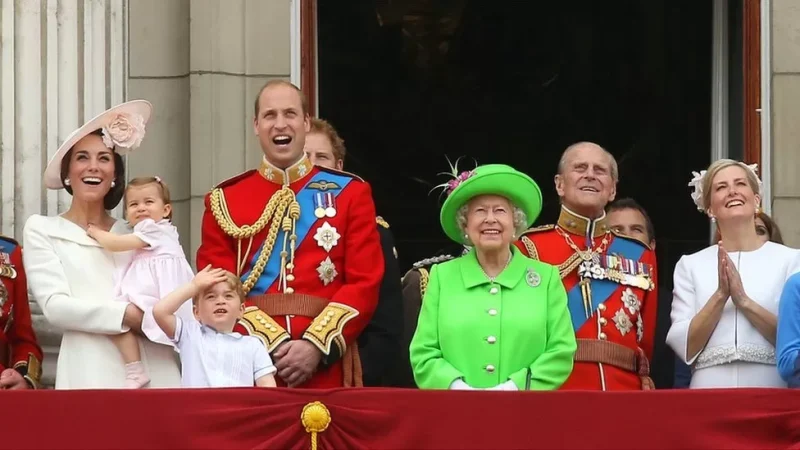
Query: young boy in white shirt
[212,355]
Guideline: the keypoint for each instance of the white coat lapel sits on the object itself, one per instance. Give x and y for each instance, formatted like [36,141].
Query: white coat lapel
[65,230]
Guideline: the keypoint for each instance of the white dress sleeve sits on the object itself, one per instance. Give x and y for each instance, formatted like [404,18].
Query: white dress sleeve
[51,290]
[151,232]
[684,303]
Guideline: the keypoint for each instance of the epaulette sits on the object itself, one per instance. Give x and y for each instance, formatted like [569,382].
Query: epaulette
[630,238]
[382,222]
[539,229]
[339,172]
[431,261]
[235,178]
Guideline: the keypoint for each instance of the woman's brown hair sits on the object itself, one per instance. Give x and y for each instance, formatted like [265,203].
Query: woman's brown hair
[114,195]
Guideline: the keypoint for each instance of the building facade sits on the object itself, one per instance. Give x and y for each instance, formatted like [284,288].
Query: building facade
[201,63]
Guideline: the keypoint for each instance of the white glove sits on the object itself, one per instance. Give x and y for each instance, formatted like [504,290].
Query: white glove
[459,385]
[507,386]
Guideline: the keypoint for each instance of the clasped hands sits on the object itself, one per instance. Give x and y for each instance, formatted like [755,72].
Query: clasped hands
[296,361]
[729,280]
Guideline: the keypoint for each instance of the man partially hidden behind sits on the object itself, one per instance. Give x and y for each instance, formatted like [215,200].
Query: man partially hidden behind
[379,343]
[626,216]
[304,242]
[20,353]
[610,279]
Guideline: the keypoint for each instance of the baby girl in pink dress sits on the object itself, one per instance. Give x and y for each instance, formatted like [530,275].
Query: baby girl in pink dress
[157,268]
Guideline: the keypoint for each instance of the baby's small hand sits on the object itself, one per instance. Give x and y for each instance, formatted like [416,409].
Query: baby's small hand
[91,230]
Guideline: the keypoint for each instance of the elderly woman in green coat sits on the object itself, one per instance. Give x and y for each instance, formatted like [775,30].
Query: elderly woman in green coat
[492,319]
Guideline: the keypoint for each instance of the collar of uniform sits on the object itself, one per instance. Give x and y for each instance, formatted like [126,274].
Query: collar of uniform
[582,226]
[293,173]
[473,274]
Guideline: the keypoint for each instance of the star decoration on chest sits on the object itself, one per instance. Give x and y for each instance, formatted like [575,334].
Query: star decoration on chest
[327,237]
[630,301]
[327,271]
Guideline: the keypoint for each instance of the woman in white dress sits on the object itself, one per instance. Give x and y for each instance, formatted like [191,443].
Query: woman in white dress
[71,276]
[725,304]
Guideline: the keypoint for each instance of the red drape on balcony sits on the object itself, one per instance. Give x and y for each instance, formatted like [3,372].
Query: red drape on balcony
[407,419]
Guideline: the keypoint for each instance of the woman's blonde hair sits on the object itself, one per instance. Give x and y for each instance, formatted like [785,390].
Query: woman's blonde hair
[719,165]
[163,189]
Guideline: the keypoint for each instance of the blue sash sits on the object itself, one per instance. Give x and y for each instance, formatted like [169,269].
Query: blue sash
[307,219]
[601,289]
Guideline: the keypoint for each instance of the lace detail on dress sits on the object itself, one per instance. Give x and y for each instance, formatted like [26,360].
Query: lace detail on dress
[729,353]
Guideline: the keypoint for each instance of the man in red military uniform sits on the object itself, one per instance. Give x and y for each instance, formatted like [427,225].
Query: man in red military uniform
[20,354]
[610,278]
[304,242]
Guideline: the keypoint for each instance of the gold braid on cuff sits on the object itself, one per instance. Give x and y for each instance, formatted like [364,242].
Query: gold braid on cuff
[327,327]
[264,327]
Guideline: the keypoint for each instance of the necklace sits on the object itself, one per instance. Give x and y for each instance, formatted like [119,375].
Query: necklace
[491,279]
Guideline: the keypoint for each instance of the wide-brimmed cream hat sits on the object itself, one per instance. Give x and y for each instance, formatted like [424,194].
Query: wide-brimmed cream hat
[123,129]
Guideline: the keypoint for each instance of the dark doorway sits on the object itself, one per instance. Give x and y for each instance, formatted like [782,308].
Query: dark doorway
[408,82]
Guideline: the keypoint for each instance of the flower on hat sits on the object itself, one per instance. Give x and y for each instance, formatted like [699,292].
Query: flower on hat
[457,177]
[124,130]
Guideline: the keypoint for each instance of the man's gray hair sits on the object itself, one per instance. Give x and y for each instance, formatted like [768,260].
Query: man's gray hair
[520,220]
[562,163]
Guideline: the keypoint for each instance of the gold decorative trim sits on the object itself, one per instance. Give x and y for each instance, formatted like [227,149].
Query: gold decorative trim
[382,222]
[328,325]
[282,177]
[281,205]
[424,276]
[264,327]
[315,419]
[530,247]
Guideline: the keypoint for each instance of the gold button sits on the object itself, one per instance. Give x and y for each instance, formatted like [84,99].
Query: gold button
[493,290]
[273,329]
[289,290]
[290,277]
[323,322]
[258,317]
[492,312]
[262,322]
[490,368]
[318,328]
[329,314]
[491,339]
[601,307]
[603,321]
[602,336]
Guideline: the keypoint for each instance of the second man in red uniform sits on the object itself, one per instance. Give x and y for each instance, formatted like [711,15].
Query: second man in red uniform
[610,278]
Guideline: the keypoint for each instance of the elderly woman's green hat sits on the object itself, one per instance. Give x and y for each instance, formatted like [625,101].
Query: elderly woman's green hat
[490,179]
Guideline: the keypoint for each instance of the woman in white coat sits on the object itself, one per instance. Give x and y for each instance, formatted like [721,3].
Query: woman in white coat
[71,276]
[725,298]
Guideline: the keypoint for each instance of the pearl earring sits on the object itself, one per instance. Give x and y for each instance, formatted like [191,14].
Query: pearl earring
[66,182]
[113,183]
[713,219]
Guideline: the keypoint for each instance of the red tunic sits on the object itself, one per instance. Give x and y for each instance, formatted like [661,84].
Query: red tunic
[625,315]
[336,258]
[18,345]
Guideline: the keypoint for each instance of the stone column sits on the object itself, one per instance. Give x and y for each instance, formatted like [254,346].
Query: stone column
[159,73]
[785,114]
[61,63]
[236,47]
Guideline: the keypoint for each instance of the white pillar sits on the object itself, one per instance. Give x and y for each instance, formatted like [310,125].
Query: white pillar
[61,63]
